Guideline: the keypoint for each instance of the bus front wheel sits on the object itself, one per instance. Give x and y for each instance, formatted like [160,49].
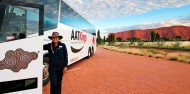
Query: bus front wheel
[45,70]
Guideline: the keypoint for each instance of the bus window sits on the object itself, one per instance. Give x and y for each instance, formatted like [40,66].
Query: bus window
[71,18]
[51,8]
[18,22]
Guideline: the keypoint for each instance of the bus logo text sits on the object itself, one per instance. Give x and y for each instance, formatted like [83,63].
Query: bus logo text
[78,35]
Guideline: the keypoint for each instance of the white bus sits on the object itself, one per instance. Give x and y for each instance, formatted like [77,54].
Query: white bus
[24,27]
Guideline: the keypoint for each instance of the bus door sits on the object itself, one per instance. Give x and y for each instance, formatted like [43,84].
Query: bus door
[21,27]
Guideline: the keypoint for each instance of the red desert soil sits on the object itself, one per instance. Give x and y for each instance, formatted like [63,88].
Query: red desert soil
[169,32]
[109,72]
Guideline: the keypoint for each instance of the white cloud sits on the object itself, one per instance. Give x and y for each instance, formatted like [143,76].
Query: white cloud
[149,25]
[91,9]
[103,35]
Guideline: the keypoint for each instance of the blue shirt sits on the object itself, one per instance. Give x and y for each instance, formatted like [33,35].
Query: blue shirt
[58,54]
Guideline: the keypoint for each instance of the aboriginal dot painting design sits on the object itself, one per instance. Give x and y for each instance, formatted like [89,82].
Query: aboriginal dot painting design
[17,60]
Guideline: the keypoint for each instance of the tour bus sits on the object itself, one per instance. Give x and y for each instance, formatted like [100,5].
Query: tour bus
[24,28]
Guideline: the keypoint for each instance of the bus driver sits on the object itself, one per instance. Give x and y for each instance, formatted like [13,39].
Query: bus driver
[58,61]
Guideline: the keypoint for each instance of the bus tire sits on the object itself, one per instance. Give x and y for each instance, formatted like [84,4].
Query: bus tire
[45,70]
[92,51]
[89,53]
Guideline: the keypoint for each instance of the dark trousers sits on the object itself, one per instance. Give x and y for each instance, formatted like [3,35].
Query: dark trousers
[56,75]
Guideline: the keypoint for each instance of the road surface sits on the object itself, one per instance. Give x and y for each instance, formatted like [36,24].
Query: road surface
[109,72]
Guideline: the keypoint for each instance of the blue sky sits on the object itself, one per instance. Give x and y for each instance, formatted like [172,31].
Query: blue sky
[150,16]
[119,15]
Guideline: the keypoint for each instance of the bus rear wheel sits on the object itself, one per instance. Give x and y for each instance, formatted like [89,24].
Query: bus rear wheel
[89,53]
[92,51]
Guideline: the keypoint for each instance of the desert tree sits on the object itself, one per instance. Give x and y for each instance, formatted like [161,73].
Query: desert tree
[119,39]
[111,39]
[98,39]
[104,40]
[177,38]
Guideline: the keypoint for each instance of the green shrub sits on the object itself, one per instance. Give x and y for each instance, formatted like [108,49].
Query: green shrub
[131,43]
[177,44]
[153,51]
[123,45]
[160,44]
[140,44]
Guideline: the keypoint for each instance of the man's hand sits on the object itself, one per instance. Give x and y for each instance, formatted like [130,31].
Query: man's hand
[65,69]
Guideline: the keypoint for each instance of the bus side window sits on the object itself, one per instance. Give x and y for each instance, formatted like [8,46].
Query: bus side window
[18,22]
[70,17]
